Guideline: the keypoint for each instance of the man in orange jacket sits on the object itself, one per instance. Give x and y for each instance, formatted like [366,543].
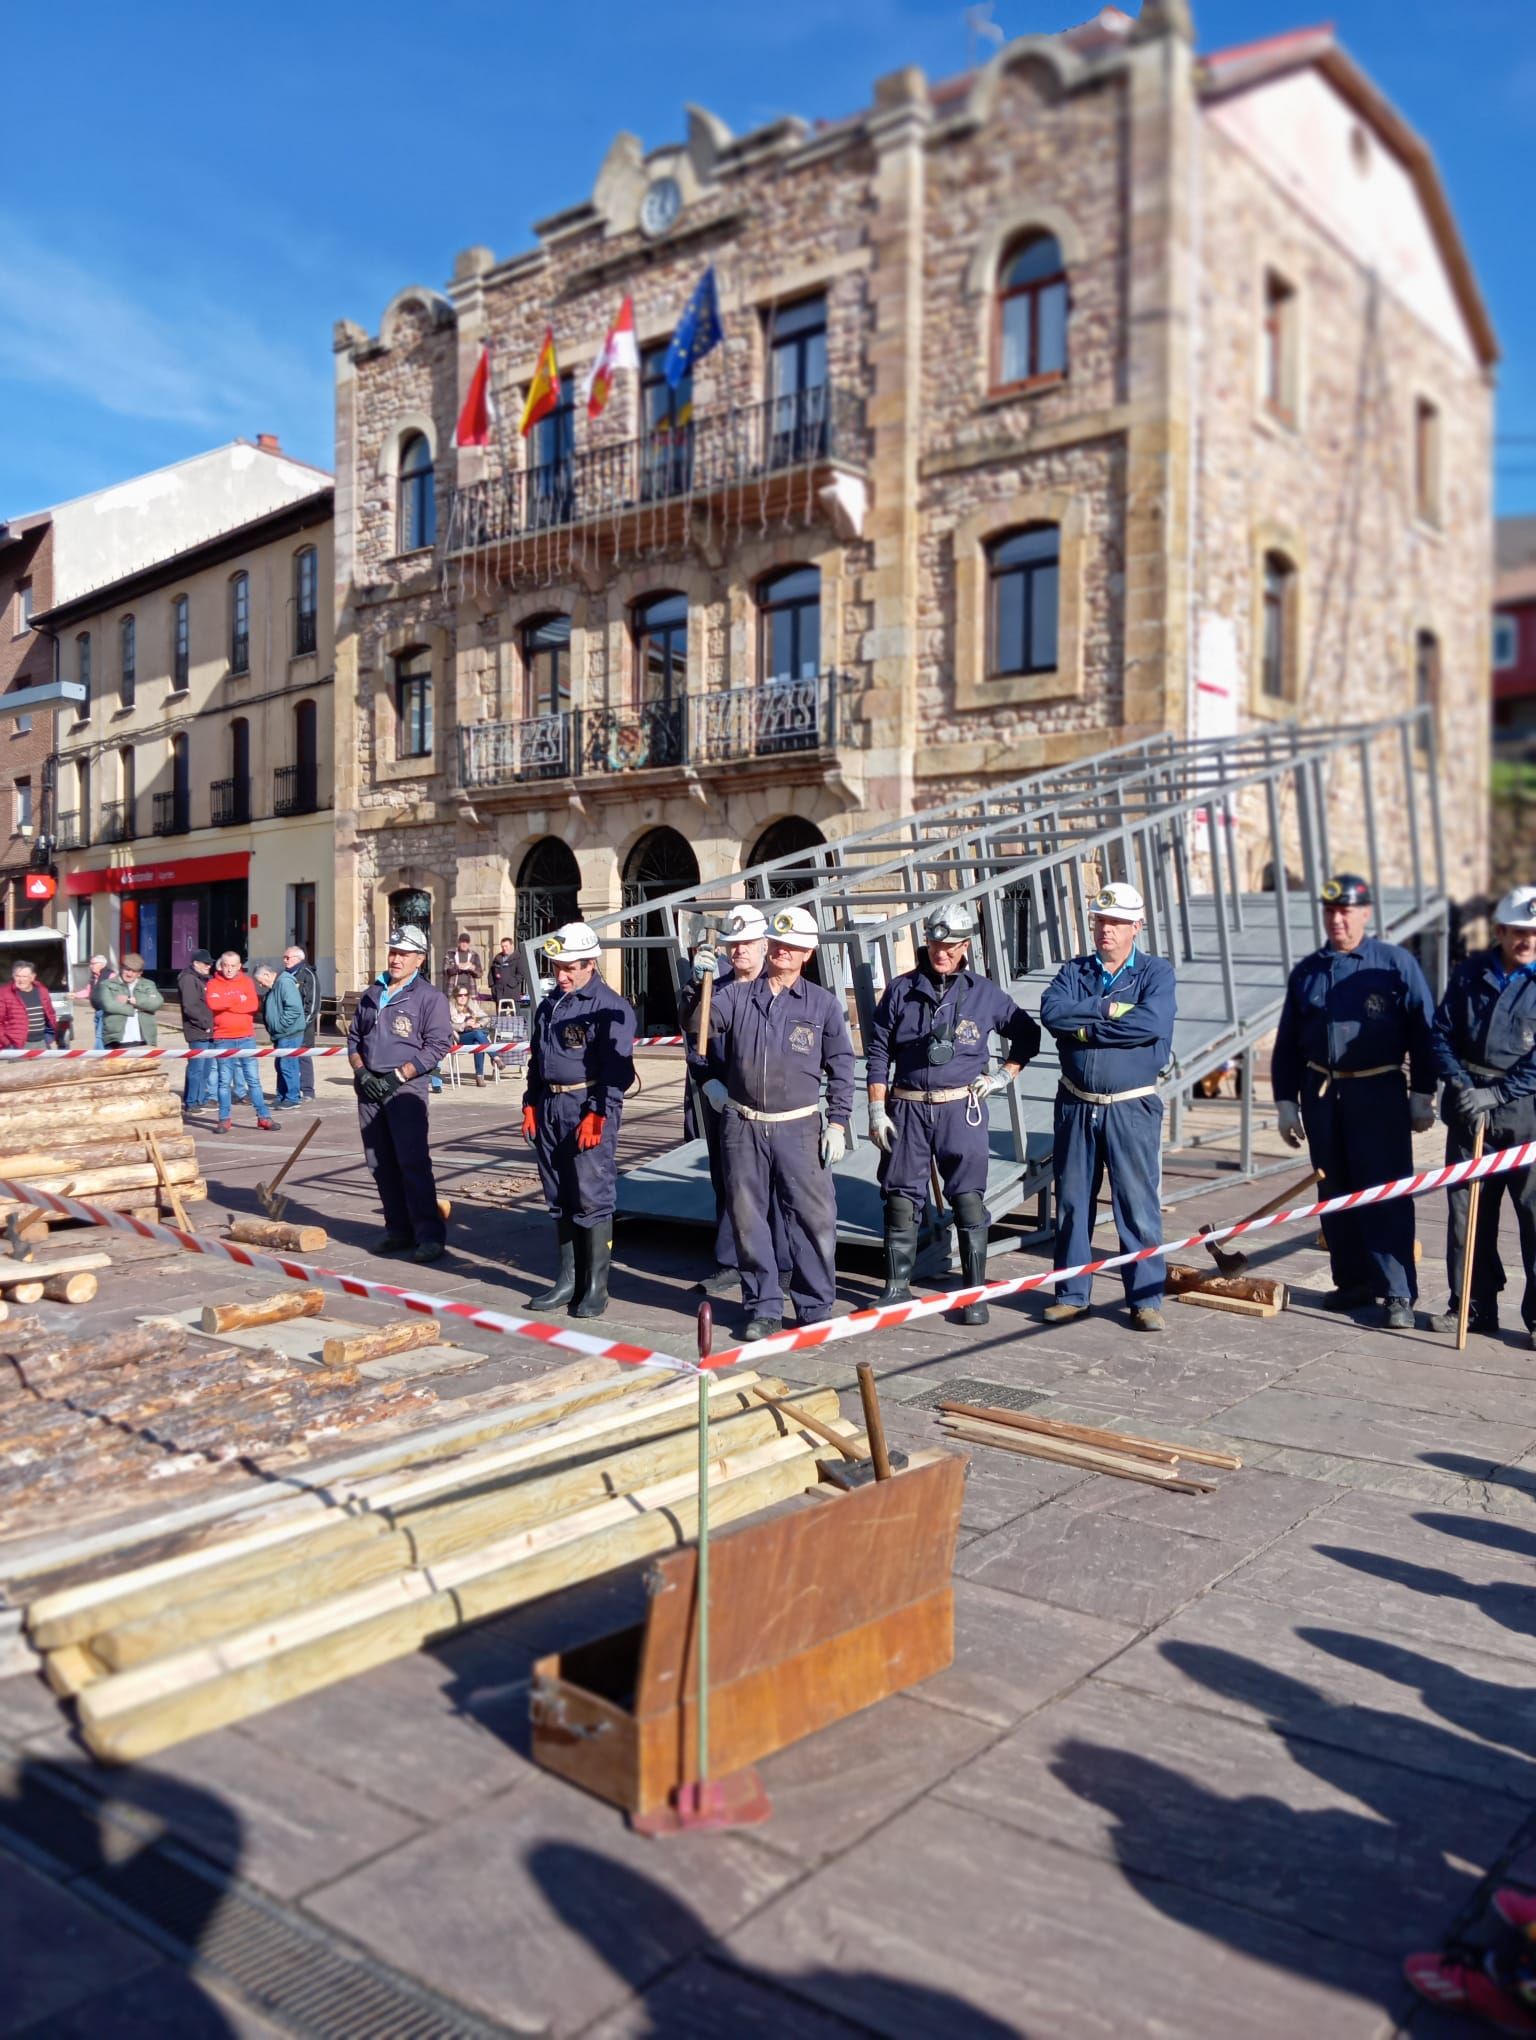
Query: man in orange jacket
[234,1002]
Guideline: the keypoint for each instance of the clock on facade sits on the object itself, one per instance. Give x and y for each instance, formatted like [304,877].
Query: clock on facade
[661,205]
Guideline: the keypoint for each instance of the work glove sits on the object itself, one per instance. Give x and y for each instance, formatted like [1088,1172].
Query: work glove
[718,1096]
[705,964]
[589,1134]
[982,1087]
[1421,1110]
[530,1124]
[1116,1009]
[834,1145]
[377,1085]
[882,1129]
[1291,1131]
[1475,1102]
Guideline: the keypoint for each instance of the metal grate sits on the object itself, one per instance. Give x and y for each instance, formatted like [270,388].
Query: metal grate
[966,1388]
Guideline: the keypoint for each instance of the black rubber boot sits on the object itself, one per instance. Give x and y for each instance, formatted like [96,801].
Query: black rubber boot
[900,1250]
[565,1276]
[971,1231]
[594,1250]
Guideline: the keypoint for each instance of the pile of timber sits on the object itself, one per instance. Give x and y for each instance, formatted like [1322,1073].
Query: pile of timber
[80,1128]
[369,1560]
[1153,1461]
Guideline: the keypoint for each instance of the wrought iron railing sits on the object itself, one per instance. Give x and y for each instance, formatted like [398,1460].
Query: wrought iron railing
[730,727]
[306,633]
[295,790]
[71,833]
[173,814]
[721,449]
[240,653]
[231,802]
[116,822]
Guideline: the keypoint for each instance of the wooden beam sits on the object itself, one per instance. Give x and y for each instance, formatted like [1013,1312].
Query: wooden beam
[1239,1306]
[1055,1427]
[1089,1457]
[62,1264]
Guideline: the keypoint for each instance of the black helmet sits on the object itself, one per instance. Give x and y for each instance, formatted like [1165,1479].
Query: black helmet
[1347,889]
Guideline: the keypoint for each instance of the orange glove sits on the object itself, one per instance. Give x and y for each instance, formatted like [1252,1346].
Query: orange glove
[530,1122]
[590,1132]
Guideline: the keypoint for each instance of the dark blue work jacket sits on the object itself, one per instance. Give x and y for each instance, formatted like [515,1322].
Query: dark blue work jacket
[1488,1019]
[1354,1011]
[771,1053]
[967,1009]
[585,1037]
[688,1013]
[410,1025]
[1100,1054]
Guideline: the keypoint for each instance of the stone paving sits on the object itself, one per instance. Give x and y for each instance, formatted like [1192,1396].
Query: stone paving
[1206,1766]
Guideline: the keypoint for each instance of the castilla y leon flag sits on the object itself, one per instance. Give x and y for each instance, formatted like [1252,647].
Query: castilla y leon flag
[544,390]
[477,420]
[619,351]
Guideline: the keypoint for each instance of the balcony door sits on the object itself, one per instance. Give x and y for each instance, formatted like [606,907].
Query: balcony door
[306,758]
[666,425]
[797,382]
[651,731]
[551,469]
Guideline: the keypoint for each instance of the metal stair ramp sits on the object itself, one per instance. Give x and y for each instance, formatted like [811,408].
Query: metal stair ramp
[1228,840]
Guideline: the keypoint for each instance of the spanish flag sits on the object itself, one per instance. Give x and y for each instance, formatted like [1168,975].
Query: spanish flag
[544,390]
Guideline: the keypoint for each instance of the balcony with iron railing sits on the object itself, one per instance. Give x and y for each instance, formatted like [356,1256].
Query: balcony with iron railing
[306,632]
[117,819]
[72,832]
[173,814]
[230,802]
[295,789]
[733,726]
[749,456]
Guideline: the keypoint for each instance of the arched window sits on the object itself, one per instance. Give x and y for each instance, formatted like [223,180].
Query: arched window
[661,647]
[1023,601]
[128,646]
[306,600]
[1032,306]
[240,623]
[787,838]
[548,880]
[789,624]
[546,649]
[418,500]
[1277,650]
[1426,686]
[662,862]
[413,704]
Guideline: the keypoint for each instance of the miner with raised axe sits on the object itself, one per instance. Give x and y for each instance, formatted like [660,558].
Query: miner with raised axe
[580,1064]
[774,1041]
[1112,1013]
[399,1034]
[929,1054]
[1485,1049]
[1355,1011]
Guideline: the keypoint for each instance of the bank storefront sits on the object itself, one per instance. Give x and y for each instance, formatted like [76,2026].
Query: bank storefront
[164,911]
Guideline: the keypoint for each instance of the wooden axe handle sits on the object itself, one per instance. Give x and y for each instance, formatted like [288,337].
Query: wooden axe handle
[807,1422]
[701,1034]
[309,1134]
[1469,1246]
[1277,1202]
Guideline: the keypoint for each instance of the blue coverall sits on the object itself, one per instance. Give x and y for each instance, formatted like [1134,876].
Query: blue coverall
[967,1009]
[586,1040]
[1348,1012]
[771,1053]
[726,1255]
[394,1025]
[1485,1038]
[1108,1058]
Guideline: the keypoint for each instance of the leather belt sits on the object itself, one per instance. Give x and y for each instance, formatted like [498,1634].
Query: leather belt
[1108,1097]
[772,1118]
[909,1097]
[1482,1070]
[1328,1075]
[562,1090]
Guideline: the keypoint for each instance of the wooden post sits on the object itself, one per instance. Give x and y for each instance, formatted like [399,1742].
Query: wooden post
[1469,1247]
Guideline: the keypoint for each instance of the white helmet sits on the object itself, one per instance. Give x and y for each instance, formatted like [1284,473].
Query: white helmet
[1517,909]
[950,924]
[796,928]
[743,924]
[1118,903]
[574,943]
[412,939]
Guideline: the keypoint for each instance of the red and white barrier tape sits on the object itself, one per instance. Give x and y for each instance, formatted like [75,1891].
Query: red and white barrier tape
[1446,1177]
[142,1053]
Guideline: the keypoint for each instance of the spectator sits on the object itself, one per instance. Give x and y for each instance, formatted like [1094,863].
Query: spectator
[27,1018]
[464,967]
[309,992]
[282,1014]
[87,993]
[467,1018]
[197,1027]
[234,1002]
[128,1002]
[506,973]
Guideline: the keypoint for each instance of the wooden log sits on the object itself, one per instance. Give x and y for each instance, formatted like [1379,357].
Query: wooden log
[78,1288]
[1056,1427]
[27,1289]
[267,1232]
[271,1310]
[24,1078]
[1092,1460]
[77,1149]
[71,1670]
[134,1713]
[1240,1306]
[61,1264]
[1255,1288]
[401,1338]
[444,1528]
[98,1183]
[54,1353]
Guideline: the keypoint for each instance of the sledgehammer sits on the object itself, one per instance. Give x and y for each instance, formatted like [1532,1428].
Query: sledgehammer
[1234,1263]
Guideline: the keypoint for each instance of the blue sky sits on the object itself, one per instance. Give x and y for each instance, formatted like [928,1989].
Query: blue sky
[196,193]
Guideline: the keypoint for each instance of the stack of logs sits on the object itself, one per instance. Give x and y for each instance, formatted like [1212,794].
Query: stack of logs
[80,1128]
[369,1561]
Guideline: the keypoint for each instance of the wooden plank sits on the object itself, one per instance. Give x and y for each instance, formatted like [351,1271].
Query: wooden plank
[1239,1306]
[1089,1457]
[1056,1427]
[166,1184]
[59,1264]
[266,1232]
[401,1338]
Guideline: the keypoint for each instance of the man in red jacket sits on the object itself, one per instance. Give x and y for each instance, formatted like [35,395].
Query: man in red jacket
[27,1018]
[234,1002]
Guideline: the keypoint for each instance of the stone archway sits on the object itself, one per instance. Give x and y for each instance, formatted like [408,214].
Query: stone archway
[411,907]
[661,862]
[783,839]
[548,882]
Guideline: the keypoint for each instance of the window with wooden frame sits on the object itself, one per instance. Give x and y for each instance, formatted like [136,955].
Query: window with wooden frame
[1506,643]
[1278,342]
[546,649]
[128,661]
[660,625]
[1277,651]
[181,654]
[418,497]
[240,623]
[789,624]
[1030,314]
[1426,461]
[306,600]
[413,704]
[1023,602]
[83,669]
[1426,687]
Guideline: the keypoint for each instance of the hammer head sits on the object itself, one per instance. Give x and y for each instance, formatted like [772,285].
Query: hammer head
[855,1473]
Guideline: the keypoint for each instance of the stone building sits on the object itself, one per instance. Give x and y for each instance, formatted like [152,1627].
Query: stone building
[28,694]
[1104,390]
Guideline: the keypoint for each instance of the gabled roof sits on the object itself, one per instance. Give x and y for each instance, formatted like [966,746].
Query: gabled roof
[1239,69]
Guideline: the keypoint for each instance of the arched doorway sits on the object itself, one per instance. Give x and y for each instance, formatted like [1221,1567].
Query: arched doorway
[660,863]
[548,880]
[410,907]
[783,839]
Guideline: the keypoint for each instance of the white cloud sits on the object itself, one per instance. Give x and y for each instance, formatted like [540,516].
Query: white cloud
[67,325]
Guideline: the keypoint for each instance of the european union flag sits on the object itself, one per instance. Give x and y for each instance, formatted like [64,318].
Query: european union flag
[697,331]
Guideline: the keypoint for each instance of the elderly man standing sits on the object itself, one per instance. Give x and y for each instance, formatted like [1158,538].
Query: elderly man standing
[128,1001]
[297,967]
[773,1040]
[1112,1014]
[282,1014]
[234,1003]
[1485,1049]
[1354,1011]
[929,1052]
[27,1016]
[197,1030]
[399,1034]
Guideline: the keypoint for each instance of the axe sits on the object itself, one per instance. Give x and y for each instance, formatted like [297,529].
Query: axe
[273,1205]
[1233,1263]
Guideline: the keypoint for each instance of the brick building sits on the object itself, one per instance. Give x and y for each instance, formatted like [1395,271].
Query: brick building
[1102,390]
[26,723]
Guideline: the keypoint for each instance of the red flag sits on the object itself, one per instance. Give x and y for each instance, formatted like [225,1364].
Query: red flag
[478,417]
[620,350]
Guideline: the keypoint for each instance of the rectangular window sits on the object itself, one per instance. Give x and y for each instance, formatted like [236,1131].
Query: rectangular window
[1506,643]
[23,804]
[23,726]
[797,382]
[1426,686]
[306,601]
[1024,573]
[413,705]
[240,624]
[23,608]
[129,680]
[1275,650]
[83,669]
[1426,462]
[1278,368]
[181,664]
[302,927]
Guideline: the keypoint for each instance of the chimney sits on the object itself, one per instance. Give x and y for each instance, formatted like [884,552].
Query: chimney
[268,443]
